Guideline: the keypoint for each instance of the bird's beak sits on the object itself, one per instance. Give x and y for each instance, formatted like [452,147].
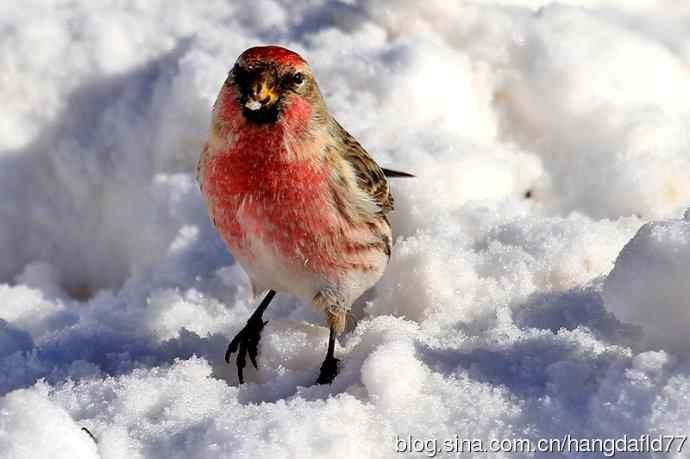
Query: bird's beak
[262,94]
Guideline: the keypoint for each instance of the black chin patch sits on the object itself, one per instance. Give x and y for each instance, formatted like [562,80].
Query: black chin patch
[264,115]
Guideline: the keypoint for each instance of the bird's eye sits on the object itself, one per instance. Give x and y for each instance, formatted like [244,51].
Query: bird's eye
[291,81]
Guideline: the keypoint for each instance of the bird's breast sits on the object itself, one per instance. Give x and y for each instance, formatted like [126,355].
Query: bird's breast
[285,206]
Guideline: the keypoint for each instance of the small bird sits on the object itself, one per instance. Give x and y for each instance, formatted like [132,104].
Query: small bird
[296,199]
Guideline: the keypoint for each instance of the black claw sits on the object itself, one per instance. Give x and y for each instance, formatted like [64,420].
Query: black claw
[252,351]
[246,342]
[232,347]
[329,370]
[241,363]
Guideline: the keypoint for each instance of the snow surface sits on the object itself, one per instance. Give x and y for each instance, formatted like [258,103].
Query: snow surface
[539,282]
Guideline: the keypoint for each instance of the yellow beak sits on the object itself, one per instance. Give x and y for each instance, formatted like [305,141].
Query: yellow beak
[262,95]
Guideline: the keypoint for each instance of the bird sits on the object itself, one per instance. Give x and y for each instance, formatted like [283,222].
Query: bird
[298,202]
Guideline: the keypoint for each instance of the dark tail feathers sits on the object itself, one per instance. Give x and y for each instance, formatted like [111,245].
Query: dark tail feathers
[392,173]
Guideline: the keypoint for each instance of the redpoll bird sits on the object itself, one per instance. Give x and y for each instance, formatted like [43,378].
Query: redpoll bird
[297,200]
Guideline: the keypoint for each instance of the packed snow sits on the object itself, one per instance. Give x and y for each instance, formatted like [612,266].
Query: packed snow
[539,284]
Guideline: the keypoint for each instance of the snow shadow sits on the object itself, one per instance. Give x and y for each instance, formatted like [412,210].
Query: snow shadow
[79,193]
[567,344]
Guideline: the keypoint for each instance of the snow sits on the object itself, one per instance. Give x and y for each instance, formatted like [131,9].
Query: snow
[648,286]
[538,285]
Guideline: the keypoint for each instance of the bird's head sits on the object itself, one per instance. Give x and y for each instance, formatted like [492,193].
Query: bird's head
[270,81]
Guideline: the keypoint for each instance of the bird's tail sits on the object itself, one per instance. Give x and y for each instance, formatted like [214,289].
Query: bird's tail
[392,173]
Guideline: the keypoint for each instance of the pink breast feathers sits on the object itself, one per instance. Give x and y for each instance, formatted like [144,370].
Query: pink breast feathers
[287,204]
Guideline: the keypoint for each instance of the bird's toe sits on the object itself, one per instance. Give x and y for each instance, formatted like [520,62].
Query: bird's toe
[246,342]
[329,370]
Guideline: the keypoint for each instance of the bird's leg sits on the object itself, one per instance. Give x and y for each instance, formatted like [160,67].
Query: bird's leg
[329,368]
[247,340]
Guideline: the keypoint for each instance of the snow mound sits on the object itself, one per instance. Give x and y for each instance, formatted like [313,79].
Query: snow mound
[649,284]
[33,427]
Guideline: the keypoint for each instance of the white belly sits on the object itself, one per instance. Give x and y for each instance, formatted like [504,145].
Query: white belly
[270,270]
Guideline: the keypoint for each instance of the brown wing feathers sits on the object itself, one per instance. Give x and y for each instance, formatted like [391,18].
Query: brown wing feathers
[370,176]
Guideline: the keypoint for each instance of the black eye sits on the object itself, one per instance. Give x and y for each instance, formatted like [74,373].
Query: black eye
[298,78]
[239,75]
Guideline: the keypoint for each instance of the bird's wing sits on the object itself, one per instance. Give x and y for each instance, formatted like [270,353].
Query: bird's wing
[371,179]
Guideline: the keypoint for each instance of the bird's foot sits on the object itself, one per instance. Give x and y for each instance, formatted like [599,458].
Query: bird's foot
[329,370]
[246,342]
